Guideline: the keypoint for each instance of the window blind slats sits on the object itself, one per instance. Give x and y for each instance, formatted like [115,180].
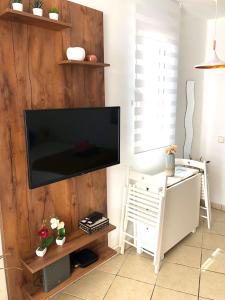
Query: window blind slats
[157,32]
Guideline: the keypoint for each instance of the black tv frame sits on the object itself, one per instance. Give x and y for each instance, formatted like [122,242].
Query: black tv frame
[32,186]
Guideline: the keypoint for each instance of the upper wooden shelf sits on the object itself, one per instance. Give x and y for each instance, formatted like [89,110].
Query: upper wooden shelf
[28,18]
[84,63]
[73,242]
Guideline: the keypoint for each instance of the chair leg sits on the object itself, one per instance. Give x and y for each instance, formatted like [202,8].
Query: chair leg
[157,267]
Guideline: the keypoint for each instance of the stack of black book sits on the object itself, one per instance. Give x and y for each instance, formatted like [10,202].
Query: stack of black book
[94,222]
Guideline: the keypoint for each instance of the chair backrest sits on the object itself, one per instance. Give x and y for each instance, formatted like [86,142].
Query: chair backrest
[147,182]
[144,198]
[191,163]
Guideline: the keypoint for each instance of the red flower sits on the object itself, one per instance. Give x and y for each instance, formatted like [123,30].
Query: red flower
[43,233]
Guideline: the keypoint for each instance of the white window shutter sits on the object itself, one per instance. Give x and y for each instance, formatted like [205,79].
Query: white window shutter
[156,69]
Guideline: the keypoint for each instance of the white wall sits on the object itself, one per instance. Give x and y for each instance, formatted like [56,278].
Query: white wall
[119,38]
[192,52]
[196,46]
[213,122]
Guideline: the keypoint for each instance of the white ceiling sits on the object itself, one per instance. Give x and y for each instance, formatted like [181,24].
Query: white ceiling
[204,8]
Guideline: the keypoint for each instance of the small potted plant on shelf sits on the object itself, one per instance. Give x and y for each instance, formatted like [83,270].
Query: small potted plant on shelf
[46,241]
[17,5]
[38,8]
[53,13]
[60,226]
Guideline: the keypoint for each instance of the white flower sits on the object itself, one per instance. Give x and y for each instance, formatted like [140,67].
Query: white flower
[61,225]
[54,223]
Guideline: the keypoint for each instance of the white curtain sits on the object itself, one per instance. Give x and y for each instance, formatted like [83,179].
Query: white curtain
[156,69]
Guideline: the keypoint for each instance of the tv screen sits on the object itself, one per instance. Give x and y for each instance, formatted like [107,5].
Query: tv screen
[64,143]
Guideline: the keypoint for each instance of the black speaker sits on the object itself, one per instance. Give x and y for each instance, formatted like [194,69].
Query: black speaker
[56,273]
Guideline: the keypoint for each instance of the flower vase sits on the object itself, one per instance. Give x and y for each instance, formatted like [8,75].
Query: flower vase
[17,6]
[54,16]
[60,240]
[170,165]
[41,252]
[38,11]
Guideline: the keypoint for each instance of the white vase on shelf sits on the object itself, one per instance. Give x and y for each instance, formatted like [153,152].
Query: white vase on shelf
[41,252]
[17,6]
[53,16]
[38,11]
[75,53]
[60,241]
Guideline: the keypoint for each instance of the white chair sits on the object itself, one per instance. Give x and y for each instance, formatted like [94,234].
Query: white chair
[144,204]
[202,167]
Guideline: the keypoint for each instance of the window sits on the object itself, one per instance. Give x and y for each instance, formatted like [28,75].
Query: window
[157,33]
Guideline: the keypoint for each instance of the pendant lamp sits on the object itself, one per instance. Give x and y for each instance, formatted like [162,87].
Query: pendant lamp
[215,62]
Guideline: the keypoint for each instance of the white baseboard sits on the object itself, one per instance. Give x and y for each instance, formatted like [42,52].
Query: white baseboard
[218,206]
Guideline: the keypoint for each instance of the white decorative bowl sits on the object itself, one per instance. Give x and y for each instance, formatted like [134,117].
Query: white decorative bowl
[17,6]
[38,12]
[75,53]
[54,16]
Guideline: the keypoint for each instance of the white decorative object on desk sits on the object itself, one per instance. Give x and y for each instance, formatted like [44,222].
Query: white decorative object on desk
[170,160]
[17,6]
[75,53]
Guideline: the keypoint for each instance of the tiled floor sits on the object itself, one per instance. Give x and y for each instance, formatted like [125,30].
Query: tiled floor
[194,269]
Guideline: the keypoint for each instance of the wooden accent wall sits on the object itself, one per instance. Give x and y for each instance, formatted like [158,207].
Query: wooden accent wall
[30,78]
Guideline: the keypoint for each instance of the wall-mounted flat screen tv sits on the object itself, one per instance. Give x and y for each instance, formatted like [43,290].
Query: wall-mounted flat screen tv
[63,143]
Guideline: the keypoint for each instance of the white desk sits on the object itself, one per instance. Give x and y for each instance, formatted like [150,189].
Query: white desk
[181,215]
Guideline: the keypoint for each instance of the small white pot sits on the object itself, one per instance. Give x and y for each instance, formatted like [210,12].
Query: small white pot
[17,6]
[41,253]
[60,241]
[75,53]
[54,16]
[38,12]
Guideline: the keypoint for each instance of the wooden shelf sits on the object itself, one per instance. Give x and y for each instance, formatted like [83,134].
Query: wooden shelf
[84,63]
[36,292]
[30,19]
[73,242]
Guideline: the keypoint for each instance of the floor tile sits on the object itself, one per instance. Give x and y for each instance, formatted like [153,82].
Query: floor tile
[179,278]
[213,241]
[129,289]
[166,294]
[138,268]
[217,227]
[218,215]
[93,286]
[184,255]
[213,260]
[113,265]
[212,285]
[133,251]
[193,239]
[62,296]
